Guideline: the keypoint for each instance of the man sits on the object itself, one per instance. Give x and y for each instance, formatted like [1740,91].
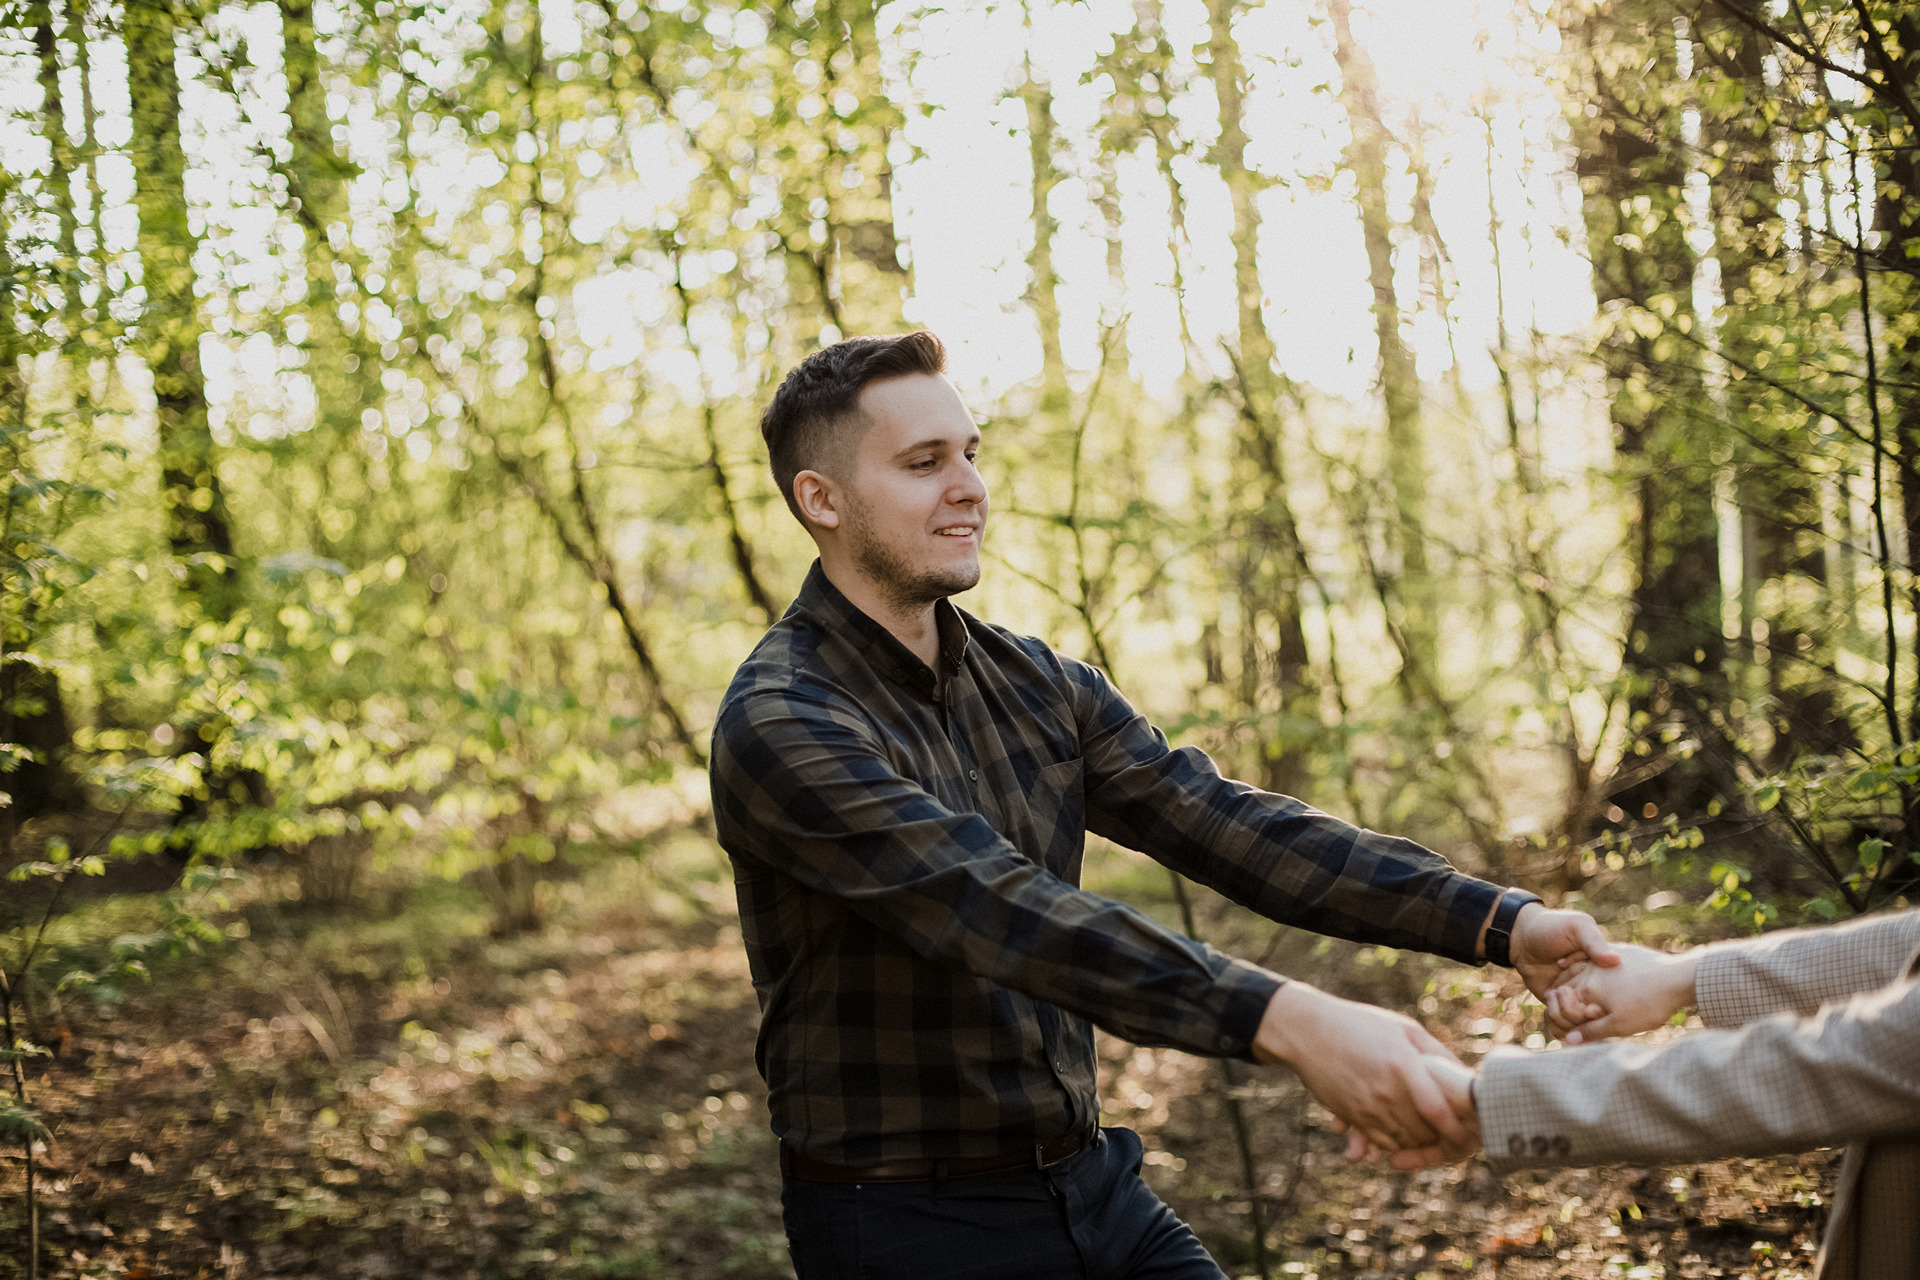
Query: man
[904,791]
[1814,1040]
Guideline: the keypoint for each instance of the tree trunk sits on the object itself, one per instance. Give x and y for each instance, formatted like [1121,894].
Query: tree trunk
[194,509]
[32,714]
[1897,292]
[1274,642]
[194,515]
[46,39]
[1897,218]
[1399,379]
[340,365]
[1043,290]
[1634,180]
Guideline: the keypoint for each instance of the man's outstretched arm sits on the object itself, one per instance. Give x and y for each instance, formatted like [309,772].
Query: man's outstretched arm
[1292,863]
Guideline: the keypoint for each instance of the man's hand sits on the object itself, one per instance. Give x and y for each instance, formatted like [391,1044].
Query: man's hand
[1546,941]
[1643,990]
[1373,1069]
[1456,1081]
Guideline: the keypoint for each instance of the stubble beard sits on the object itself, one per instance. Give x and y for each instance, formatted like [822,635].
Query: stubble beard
[905,588]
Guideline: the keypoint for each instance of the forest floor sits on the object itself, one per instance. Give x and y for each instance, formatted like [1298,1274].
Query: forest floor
[399,1094]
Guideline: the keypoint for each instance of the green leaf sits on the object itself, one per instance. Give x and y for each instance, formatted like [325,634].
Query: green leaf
[29,870]
[1870,851]
[19,1125]
[1766,796]
[1868,782]
[77,979]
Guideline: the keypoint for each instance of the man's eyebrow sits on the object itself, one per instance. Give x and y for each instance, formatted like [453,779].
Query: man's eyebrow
[935,442]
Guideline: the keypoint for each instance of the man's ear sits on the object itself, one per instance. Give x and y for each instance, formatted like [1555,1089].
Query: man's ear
[813,494]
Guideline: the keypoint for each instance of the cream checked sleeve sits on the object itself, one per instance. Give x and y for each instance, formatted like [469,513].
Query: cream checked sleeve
[1799,970]
[1781,1083]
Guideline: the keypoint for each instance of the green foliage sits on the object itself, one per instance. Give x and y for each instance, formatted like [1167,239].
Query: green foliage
[383,510]
[19,1125]
[384,500]
[458,532]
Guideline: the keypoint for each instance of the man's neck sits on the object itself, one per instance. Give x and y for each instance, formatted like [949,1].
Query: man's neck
[913,626]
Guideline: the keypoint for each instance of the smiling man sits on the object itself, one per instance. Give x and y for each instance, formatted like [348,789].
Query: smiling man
[905,790]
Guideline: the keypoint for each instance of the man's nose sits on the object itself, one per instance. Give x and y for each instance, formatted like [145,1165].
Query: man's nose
[969,486]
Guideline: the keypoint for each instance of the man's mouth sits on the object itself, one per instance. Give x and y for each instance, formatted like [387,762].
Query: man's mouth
[957,531]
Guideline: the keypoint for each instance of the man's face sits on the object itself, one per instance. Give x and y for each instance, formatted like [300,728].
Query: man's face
[915,508]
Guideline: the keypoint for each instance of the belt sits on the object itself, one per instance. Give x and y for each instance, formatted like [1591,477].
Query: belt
[1042,1155]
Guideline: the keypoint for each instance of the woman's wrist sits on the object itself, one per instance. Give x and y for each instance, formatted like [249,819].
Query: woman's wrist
[1680,971]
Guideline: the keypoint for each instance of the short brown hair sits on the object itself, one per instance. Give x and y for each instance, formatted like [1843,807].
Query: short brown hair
[804,423]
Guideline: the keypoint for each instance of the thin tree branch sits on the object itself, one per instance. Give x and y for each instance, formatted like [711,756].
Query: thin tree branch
[743,562]
[1739,14]
[591,557]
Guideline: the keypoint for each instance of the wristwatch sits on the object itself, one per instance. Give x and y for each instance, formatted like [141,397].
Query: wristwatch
[1500,932]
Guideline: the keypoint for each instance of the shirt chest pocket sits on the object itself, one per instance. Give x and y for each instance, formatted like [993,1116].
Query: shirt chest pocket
[1057,812]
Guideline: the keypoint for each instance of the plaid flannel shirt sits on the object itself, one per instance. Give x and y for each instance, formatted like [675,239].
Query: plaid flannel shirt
[907,852]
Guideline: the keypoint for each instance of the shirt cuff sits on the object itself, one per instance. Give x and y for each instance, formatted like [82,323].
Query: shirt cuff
[1246,991]
[1510,1129]
[1471,905]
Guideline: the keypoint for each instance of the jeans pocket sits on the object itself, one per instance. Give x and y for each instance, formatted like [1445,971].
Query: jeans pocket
[823,1229]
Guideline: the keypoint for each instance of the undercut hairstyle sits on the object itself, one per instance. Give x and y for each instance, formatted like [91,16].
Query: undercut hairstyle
[814,419]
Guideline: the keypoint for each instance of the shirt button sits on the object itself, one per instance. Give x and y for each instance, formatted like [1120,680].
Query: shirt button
[973,775]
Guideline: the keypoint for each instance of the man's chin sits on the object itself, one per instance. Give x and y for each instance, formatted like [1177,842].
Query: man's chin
[909,586]
[930,585]
[961,578]
[952,579]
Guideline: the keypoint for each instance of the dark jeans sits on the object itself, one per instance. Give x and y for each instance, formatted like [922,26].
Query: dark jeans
[1089,1218]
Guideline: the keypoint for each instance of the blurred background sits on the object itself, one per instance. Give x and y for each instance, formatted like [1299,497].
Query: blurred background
[1496,423]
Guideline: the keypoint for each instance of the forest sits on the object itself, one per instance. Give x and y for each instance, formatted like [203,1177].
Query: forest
[1494,422]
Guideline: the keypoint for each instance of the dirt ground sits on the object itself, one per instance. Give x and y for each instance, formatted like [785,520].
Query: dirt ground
[408,1097]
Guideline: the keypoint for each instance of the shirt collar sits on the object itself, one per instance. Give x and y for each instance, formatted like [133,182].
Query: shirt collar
[823,601]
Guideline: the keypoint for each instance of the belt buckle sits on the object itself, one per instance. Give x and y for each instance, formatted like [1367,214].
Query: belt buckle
[1041,1163]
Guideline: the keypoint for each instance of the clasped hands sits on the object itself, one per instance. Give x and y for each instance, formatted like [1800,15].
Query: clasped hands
[1398,1092]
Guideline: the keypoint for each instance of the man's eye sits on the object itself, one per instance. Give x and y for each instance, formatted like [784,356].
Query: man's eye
[925,464]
